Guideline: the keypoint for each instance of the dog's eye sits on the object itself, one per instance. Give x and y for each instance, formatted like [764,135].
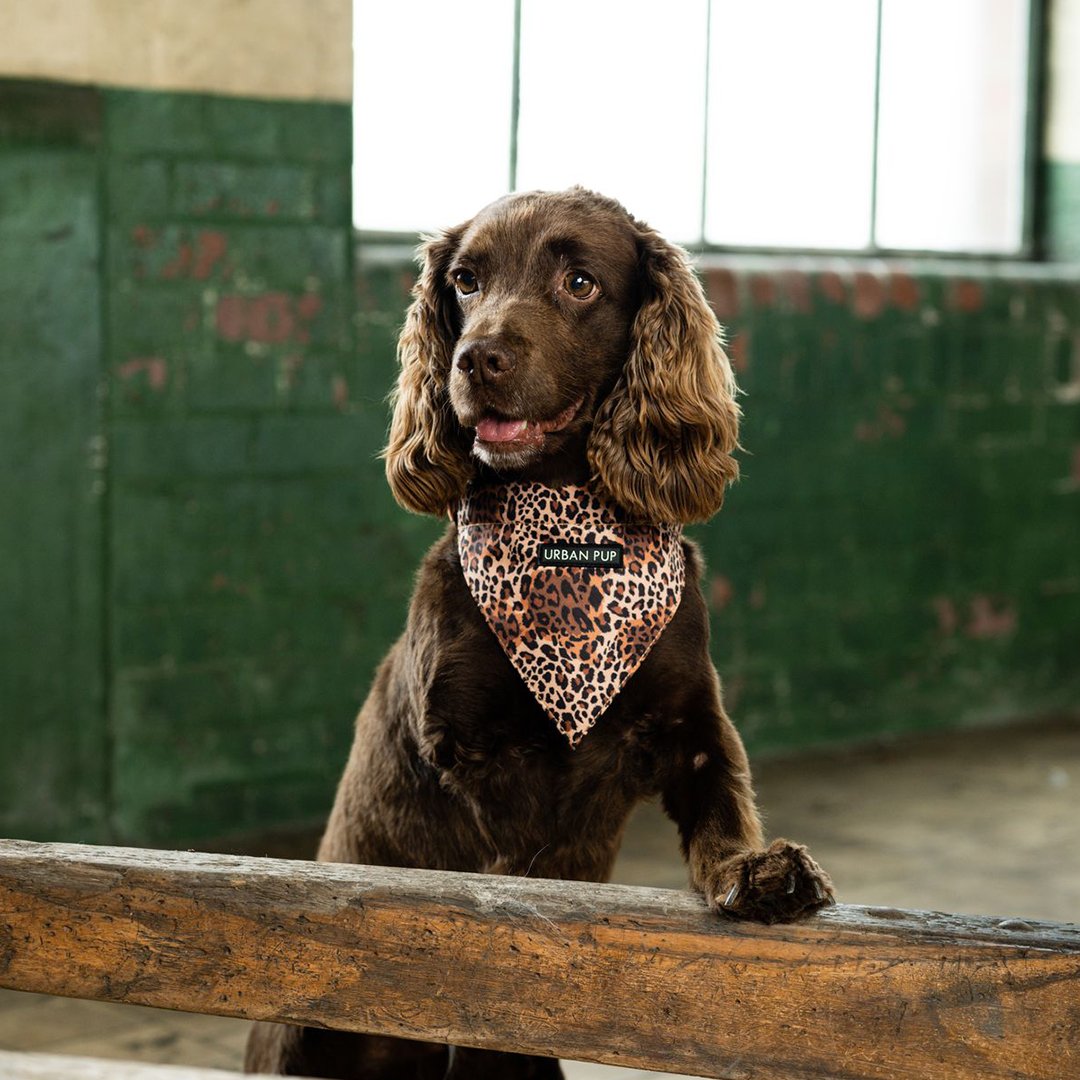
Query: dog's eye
[465,280]
[579,285]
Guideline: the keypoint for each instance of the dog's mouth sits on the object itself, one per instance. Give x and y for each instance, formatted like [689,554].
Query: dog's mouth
[499,433]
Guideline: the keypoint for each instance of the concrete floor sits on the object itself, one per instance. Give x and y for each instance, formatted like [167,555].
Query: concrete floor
[980,822]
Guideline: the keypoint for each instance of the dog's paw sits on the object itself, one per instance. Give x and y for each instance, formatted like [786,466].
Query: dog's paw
[776,885]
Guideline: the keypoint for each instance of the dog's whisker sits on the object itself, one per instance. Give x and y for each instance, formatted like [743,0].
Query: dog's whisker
[532,861]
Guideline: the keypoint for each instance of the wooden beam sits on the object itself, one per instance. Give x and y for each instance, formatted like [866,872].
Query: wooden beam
[21,1066]
[641,977]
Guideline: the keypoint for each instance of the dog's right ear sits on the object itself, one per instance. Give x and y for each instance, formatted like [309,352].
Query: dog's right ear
[428,462]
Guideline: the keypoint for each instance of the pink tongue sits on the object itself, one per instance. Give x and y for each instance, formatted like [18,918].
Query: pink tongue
[491,430]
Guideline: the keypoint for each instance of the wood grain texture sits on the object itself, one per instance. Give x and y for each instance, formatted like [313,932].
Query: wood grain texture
[630,976]
[21,1066]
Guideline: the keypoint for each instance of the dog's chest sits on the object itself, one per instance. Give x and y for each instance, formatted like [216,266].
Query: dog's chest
[525,801]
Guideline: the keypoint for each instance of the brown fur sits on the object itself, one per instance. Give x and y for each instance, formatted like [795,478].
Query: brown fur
[454,765]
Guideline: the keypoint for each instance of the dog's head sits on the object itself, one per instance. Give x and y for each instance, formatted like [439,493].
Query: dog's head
[554,328]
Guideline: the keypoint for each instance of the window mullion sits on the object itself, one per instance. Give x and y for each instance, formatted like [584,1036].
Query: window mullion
[877,119]
[515,97]
[705,126]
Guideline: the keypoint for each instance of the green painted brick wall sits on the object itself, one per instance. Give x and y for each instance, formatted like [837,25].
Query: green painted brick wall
[903,551]
[201,563]
[243,427]
[53,737]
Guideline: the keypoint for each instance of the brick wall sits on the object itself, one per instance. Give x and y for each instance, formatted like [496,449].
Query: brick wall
[902,552]
[201,551]
[244,599]
[53,740]
[201,560]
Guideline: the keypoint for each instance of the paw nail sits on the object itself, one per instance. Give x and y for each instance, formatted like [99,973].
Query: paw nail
[790,884]
[732,893]
[819,892]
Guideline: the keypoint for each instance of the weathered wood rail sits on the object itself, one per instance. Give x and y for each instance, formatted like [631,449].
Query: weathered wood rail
[630,976]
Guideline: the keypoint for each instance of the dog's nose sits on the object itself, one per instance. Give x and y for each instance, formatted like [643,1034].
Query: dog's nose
[484,360]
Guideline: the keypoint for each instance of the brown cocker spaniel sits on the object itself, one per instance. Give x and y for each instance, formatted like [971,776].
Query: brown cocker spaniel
[556,340]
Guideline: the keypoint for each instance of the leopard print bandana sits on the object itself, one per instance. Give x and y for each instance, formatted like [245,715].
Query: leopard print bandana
[575,594]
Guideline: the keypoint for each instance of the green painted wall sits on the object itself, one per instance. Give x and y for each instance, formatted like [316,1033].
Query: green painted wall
[53,739]
[195,604]
[904,550]
[238,434]
[201,564]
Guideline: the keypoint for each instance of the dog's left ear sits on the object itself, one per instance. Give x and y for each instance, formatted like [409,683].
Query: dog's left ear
[662,440]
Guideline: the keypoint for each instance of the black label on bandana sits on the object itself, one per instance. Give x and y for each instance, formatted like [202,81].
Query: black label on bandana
[597,556]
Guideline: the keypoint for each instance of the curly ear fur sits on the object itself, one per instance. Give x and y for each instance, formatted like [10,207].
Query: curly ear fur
[427,453]
[662,440]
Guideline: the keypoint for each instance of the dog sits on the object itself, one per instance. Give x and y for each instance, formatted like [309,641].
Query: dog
[554,344]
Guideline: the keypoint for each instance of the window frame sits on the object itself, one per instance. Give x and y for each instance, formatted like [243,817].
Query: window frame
[382,244]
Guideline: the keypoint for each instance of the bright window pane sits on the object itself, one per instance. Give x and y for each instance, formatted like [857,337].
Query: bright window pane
[791,123]
[951,147]
[613,97]
[431,126]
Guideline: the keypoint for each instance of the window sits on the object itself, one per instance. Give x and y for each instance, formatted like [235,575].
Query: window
[837,124]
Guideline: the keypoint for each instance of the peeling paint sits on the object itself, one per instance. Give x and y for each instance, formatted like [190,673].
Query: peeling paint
[832,287]
[722,288]
[966,295]
[739,352]
[156,368]
[267,319]
[178,265]
[197,262]
[309,305]
[211,249]
[270,318]
[762,290]
[230,318]
[887,424]
[868,301]
[990,618]
[904,293]
[797,291]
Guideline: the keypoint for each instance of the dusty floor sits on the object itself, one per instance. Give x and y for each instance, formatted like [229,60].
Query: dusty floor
[983,822]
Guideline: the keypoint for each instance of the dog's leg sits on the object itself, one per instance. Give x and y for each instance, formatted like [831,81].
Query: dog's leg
[469,1064]
[285,1050]
[707,791]
[354,835]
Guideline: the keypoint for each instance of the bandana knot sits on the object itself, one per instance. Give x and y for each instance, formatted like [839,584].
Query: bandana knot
[575,594]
